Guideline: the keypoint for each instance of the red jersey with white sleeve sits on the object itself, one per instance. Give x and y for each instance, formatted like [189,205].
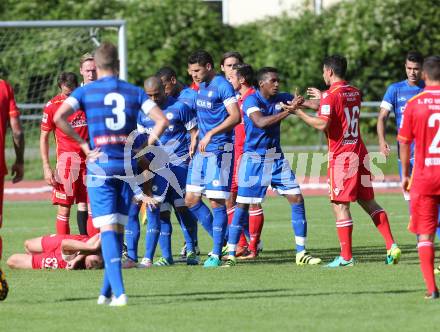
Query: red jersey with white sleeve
[77,120]
[421,122]
[8,109]
[349,175]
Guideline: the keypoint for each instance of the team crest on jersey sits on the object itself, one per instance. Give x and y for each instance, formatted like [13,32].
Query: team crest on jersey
[278,106]
[401,99]
[325,109]
[154,188]
[216,183]
[169,116]
[324,95]
[44,119]
[210,93]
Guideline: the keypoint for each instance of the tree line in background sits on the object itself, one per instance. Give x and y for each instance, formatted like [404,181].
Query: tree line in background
[375,36]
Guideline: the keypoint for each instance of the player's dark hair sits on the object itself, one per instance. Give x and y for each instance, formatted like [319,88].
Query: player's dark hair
[337,63]
[262,72]
[68,79]
[200,57]
[231,54]
[106,56]
[415,56]
[166,72]
[431,67]
[245,71]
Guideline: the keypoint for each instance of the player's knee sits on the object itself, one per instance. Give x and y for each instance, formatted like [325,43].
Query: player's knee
[82,206]
[12,262]
[191,199]
[295,199]
[27,246]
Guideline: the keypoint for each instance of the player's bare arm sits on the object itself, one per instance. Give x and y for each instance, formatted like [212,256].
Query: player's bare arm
[17,169]
[262,121]
[161,124]
[230,122]
[381,131]
[312,121]
[70,246]
[44,153]
[194,133]
[405,153]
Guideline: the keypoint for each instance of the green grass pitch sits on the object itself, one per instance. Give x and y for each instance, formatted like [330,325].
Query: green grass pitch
[271,293]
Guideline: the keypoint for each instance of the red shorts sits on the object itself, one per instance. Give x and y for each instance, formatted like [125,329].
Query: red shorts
[238,153]
[348,183]
[70,191]
[52,242]
[48,260]
[424,213]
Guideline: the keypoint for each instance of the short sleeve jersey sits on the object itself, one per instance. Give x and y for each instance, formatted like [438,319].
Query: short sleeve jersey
[112,106]
[188,96]
[341,105]
[212,100]
[174,139]
[239,130]
[257,139]
[397,95]
[422,124]
[8,109]
[65,144]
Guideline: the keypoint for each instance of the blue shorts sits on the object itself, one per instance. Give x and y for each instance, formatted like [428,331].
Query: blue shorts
[257,173]
[210,173]
[110,200]
[169,187]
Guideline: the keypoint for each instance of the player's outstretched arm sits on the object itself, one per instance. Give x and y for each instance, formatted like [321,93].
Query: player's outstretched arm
[381,131]
[17,169]
[161,123]
[60,119]
[261,121]
[70,246]
[227,125]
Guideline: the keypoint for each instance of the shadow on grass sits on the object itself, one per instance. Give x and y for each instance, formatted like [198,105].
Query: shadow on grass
[233,295]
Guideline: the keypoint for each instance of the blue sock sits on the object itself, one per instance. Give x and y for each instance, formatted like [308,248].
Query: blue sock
[219,224]
[166,229]
[189,228]
[299,225]
[112,253]
[106,289]
[202,213]
[152,232]
[235,229]
[132,232]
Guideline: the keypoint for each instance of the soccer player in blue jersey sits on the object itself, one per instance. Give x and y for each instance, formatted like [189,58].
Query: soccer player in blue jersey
[111,107]
[210,170]
[172,168]
[395,99]
[263,164]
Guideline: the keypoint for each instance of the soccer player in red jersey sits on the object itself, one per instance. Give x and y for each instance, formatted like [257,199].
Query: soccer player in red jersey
[9,114]
[54,251]
[348,169]
[242,78]
[68,178]
[421,123]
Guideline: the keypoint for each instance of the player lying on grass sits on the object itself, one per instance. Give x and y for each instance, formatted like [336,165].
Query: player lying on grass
[348,169]
[70,252]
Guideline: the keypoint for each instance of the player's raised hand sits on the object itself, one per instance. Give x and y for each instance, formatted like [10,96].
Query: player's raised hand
[17,171]
[293,105]
[314,93]
[384,148]
[49,176]
[204,142]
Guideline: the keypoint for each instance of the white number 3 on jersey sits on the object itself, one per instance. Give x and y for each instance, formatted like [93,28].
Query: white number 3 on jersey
[110,122]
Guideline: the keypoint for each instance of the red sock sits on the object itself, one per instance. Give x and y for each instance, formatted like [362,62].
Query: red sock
[380,219]
[242,242]
[426,256]
[62,225]
[345,229]
[256,222]
[91,230]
